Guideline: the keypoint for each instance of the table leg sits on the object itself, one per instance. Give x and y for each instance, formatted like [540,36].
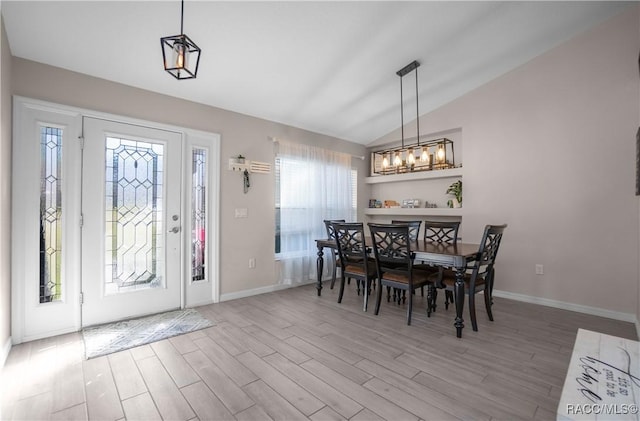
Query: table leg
[319,268]
[459,300]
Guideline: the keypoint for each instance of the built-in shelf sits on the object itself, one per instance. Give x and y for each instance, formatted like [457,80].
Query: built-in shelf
[411,176]
[414,211]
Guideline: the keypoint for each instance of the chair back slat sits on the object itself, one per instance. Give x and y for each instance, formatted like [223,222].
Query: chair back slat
[392,248]
[441,232]
[351,243]
[414,228]
[488,250]
[328,224]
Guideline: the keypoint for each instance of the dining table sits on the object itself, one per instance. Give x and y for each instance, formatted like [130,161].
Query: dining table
[455,256]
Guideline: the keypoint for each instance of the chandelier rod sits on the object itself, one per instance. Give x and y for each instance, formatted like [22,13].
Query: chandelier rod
[182,18]
[402,72]
[417,111]
[401,112]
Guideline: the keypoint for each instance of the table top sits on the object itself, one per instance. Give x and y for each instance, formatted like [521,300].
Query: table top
[437,253]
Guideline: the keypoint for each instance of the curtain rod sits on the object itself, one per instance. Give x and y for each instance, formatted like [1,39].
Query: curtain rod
[276,140]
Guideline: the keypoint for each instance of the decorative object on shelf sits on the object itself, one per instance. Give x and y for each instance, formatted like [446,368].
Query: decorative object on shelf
[430,205]
[180,54]
[455,189]
[391,204]
[411,203]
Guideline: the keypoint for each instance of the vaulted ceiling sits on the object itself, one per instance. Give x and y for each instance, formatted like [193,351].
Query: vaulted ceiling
[328,67]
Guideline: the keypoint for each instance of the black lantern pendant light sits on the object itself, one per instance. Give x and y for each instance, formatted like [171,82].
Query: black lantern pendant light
[180,54]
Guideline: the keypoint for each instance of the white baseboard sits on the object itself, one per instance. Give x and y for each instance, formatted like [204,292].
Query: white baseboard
[594,311]
[4,352]
[261,290]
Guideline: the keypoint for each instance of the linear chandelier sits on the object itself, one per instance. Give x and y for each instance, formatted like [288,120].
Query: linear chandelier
[180,54]
[404,159]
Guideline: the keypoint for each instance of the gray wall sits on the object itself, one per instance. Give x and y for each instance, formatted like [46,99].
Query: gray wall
[549,148]
[241,134]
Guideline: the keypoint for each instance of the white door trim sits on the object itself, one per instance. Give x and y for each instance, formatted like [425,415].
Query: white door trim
[18,276]
[206,291]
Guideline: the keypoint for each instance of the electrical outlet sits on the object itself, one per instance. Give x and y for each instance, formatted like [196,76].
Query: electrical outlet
[252,263]
[241,212]
[539,269]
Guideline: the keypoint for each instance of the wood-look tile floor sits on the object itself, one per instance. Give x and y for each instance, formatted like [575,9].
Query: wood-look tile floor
[291,355]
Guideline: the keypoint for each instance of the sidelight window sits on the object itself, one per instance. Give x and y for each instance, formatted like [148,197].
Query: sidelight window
[50,214]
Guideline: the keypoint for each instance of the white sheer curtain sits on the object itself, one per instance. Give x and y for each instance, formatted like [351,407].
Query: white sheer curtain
[314,184]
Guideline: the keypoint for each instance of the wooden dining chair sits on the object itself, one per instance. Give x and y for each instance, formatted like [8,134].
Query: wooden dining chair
[354,259]
[480,275]
[394,262]
[414,232]
[331,235]
[441,232]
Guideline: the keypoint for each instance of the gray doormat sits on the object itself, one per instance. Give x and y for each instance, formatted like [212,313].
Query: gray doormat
[118,336]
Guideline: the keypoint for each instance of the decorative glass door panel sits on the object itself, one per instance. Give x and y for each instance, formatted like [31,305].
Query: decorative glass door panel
[50,285]
[131,211]
[198,214]
[133,214]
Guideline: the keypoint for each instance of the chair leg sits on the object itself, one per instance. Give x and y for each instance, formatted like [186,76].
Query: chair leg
[341,289]
[378,299]
[429,299]
[434,299]
[488,303]
[491,278]
[365,293]
[448,298]
[472,311]
[358,286]
[388,293]
[409,308]
[335,270]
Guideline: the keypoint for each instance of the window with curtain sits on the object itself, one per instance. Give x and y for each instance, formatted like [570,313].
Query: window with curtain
[312,184]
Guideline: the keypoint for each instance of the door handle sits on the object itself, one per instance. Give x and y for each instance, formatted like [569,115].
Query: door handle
[175,230]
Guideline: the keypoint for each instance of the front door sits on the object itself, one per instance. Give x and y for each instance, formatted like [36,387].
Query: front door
[132,221]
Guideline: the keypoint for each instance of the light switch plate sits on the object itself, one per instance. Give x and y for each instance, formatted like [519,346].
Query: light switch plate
[241,212]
